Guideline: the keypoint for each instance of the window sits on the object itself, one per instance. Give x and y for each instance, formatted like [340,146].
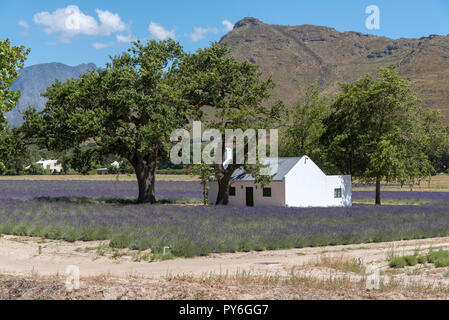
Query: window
[337,193]
[267,192]
[232,191]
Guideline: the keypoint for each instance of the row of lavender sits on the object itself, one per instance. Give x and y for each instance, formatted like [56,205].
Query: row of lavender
[199,230]
[22,189]
[191,231]
[164,189]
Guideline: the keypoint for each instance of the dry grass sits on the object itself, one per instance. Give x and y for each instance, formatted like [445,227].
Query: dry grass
[241,285]
[339,263]
[439,183]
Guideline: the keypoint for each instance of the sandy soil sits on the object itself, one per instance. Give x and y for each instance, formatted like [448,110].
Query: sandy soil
[21,256]
[32,268]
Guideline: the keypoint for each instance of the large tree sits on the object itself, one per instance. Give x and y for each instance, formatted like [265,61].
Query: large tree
[229,94]
[304,126]
[12,59]
[16,153]
[377,131]
[128,109]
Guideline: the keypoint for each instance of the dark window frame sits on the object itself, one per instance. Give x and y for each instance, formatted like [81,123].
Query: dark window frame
[232,191]
[338,193]
[267,192]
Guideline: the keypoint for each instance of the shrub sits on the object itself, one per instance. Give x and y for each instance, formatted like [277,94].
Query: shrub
[397,262]
[52,232]
[441,255]
[421,259]
[140,244]
[71,235]
[245,245]
[411,260]
[120,241]
[442,262]
[184,248]
[20,230]
[88,234]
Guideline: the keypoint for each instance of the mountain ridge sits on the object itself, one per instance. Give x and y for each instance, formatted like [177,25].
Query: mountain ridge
[296,56]
[33,80]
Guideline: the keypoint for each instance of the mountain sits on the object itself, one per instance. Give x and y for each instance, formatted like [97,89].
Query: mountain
[34,80]
[297,55]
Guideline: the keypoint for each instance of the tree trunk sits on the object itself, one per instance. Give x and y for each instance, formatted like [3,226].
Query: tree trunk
[223,190]
[145,172]
[378,201]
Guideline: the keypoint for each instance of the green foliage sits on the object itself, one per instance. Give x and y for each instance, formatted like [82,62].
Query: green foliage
[128,109]
[377,131]
[397,262]
[71,235]
[140,244]
[184,248]
[232,94]
[304,128]
[439,258]
[204,172]
[11,60]
[421,259]
[411,260]
[120,241]
[16,153]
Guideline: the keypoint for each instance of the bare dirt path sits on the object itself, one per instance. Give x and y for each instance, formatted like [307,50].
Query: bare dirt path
[23,256]
[32,268]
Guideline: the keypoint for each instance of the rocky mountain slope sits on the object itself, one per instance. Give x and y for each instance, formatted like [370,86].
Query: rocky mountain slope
[35,79]
[298,55]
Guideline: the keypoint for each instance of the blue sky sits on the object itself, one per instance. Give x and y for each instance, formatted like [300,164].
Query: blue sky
[75,32]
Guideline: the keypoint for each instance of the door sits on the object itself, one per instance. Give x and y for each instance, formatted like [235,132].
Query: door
[250,196]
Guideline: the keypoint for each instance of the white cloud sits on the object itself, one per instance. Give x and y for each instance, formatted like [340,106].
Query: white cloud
[200,33]
[110,22]
[158,32]
[99,45]
[228,25]
[71,21]
[24,24]
[125,39]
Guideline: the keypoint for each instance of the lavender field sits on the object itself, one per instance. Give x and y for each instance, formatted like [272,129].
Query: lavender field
[26,209]
[94,189]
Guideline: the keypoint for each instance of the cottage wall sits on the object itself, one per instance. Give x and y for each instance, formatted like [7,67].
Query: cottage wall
[277,193]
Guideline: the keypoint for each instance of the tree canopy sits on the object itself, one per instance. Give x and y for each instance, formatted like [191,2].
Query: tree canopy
[229,94]
[12,59]
[128,109]
[304,126]
[378,132]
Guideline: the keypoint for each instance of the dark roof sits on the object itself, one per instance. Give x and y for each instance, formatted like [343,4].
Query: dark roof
[284,167]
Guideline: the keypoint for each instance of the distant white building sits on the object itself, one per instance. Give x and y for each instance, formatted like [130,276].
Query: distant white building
[51,165]
[297,182]
[115,165]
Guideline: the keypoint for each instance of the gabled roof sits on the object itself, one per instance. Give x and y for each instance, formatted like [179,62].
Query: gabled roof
[284,167]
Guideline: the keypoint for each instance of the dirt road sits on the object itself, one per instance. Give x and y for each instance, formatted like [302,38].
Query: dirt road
[33,267]
[23,256]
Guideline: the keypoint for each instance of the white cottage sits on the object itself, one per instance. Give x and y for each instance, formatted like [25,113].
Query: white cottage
[298,182]
[52,165]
